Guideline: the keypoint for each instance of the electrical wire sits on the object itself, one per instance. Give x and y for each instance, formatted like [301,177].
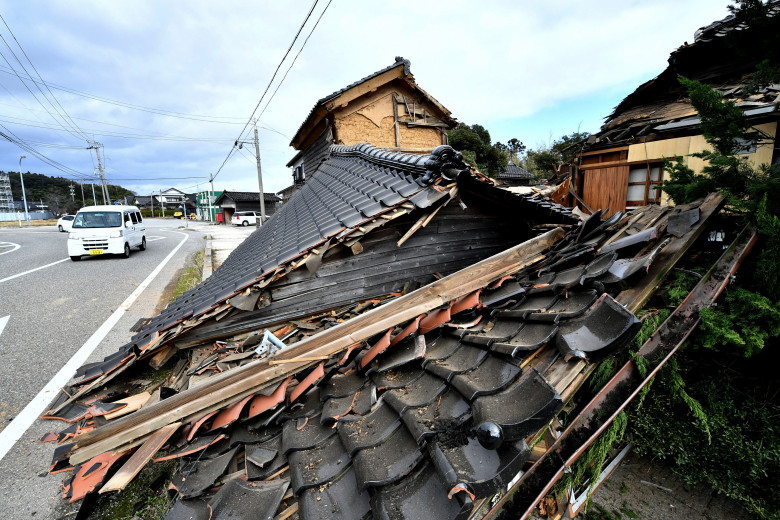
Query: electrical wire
[294,60]
[13,138]
[251,117]
[67,116]
[150,110]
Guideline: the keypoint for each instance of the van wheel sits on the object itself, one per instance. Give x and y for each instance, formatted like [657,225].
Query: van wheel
[60,229]
[126,254]
[142,247]
[245,223]
[75,258]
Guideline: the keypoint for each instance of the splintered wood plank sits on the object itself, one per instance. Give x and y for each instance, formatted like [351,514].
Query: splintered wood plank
[140,458]
[134,402]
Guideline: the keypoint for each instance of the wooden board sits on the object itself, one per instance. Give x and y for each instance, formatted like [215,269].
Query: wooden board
[606,188]
[140,458]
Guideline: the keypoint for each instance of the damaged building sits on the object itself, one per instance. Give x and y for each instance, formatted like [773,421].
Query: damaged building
[621,166]
[390,344]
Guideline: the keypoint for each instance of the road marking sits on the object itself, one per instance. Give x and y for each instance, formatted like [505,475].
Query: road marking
[16,428]
[33,270]
[9,244]
[3,323]
[155,238]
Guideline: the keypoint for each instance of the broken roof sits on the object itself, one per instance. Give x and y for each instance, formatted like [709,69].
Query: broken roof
[390,409]
[400,70]
[713,58]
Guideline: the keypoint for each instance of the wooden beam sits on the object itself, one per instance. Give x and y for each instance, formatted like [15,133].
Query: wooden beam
[258,375]
[140,458]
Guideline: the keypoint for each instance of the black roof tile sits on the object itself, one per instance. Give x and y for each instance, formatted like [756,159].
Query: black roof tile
[423,494]
[606,327]
[359,403]
[388,461]
[482,470]
[462,360]
[417,393]
[339,498]
[523,408]
[532,337]
[369,430]
[491,376]
[451,411]
[246,500]
[304,434]
[309,468]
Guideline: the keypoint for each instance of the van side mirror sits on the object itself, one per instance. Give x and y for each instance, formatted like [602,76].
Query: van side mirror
[127,223]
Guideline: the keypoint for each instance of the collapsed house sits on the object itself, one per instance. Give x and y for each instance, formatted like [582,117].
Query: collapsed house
[392,342]
[389,342]
[621,166]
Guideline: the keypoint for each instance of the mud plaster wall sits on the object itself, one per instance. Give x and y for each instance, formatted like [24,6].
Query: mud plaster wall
[370,119]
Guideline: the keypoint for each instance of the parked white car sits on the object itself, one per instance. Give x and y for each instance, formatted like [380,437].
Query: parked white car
[65,222]
[99,230]
[245,218]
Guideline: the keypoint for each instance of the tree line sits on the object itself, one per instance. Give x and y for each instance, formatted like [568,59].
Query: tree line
[55,192]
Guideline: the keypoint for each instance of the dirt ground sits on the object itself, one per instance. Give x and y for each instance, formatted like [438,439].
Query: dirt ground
[645,489]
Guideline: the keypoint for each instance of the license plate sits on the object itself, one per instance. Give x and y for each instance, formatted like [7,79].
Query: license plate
[95,251]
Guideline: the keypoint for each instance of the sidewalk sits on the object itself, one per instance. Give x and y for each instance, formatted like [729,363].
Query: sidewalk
[224,239]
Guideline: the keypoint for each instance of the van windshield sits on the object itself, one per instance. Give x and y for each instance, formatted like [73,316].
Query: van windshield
[98,219]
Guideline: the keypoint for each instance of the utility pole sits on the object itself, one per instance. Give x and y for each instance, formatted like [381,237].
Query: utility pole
[72,193]
[162,203]
[24,195]
[96,146]
[82,194]
[212,213]
[260,178]
[151,199]
[94,199]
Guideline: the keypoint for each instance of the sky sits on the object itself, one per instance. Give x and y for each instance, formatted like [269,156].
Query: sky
[168,87]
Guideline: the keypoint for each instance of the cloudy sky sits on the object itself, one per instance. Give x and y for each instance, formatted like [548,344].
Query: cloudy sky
[167,87]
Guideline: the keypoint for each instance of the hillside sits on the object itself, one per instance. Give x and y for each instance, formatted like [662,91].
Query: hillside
[55,191]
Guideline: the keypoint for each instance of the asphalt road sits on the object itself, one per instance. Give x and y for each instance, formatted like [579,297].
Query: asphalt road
[47,315]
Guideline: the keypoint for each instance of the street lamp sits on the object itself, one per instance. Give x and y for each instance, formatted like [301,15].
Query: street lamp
[24,196]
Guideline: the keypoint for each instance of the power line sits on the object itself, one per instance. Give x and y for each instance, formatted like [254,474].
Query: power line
[251,117]
[69,119]
[294,60]
[27,122]
[13,138]
[157,111]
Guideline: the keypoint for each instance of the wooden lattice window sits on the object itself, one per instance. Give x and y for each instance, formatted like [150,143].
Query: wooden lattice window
[643,184]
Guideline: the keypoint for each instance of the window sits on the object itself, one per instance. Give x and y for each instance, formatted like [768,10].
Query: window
[643,182]
[134,216]
[139,217]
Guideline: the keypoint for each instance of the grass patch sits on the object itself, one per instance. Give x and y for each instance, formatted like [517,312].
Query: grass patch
[146,497]
[191,275]
[33,223]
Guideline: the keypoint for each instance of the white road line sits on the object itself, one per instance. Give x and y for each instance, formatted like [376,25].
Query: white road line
[9,244]
[4,322]
[16,428]
[33,270]
[154,238]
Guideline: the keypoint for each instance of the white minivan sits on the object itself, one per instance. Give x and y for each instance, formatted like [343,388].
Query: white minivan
[99,230]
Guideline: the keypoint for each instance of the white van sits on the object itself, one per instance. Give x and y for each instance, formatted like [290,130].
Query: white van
[99,230]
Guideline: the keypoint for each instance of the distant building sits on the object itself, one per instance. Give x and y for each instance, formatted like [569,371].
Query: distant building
[514,175]
[386,109]
[231,201]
